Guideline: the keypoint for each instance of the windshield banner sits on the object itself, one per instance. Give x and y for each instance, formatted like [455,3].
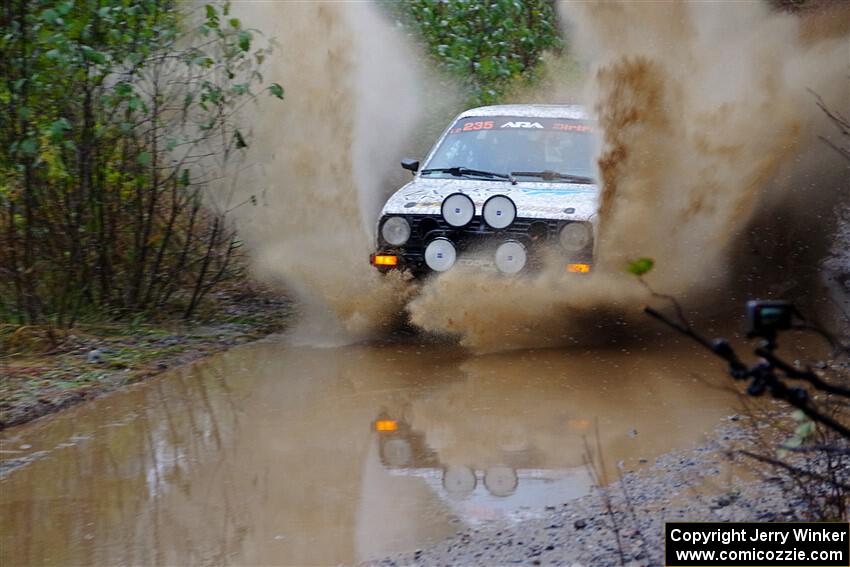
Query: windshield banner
[475,124]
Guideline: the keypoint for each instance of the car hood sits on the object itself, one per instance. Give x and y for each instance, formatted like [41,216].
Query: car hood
[560,201]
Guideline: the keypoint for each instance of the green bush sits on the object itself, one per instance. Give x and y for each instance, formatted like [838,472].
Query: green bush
[116,116]
[490,46]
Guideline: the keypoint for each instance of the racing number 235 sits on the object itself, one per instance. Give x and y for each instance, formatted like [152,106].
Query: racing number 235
[486,125]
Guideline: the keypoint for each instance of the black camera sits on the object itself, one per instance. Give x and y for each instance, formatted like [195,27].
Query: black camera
[765,318]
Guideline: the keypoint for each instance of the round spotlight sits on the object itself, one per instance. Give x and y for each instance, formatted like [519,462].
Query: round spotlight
[510,257]
[397,452]
[458,209]
[500,481]
[575,236]
[396,230]
[499,212]
[440,254]
[459,480]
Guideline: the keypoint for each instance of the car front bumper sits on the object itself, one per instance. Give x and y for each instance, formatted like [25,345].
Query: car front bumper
[475,244]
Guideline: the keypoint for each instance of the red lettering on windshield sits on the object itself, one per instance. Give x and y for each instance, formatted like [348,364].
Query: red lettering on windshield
[570,127]
[482,125]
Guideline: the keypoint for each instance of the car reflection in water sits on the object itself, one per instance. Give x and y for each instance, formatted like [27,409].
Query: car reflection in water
[510,482]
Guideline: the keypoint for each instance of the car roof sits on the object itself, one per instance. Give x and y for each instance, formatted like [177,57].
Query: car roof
[568,111]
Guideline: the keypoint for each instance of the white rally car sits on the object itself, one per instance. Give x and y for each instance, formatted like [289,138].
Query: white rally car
[502,185]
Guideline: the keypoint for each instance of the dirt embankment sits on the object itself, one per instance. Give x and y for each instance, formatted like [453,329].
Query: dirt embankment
[93,359]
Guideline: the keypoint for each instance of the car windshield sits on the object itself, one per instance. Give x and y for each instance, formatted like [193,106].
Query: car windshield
[527,147]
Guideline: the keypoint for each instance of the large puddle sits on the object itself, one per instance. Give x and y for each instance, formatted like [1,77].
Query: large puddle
[271,454]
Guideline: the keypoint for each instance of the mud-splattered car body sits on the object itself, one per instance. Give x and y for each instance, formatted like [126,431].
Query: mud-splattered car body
[501,185]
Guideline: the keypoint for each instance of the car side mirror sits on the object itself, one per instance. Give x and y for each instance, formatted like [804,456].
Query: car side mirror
[410,164]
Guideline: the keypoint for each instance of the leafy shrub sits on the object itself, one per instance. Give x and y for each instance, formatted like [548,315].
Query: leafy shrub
[118,115]
[488,45]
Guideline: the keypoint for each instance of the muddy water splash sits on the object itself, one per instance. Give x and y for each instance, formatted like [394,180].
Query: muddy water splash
[707,118]
[710,151]
[324,158]
[492,313]
[710,139]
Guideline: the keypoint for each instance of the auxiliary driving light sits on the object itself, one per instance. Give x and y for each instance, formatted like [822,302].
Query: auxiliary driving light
[499,212]
[440,254]
[458,209]
[385,260]
[575,236]
[396,230]
[510,257]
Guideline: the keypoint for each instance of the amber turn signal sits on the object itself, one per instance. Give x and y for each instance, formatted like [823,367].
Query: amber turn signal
[578,268]
[385,260]
[386,425]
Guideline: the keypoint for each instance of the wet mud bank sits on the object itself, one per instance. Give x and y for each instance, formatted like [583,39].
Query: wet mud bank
[92,360]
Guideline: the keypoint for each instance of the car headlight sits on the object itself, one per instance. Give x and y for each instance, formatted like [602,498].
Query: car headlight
[396,230]
[575,236]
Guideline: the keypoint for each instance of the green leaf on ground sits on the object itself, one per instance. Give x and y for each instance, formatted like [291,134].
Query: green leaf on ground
[805,429]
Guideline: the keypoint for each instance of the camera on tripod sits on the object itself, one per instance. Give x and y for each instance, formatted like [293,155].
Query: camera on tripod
[766,318]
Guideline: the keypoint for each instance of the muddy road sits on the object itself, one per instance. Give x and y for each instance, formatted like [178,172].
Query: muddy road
[273,454]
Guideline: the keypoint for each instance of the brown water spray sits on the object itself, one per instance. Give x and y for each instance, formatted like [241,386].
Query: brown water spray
[709,129]
[322,160]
